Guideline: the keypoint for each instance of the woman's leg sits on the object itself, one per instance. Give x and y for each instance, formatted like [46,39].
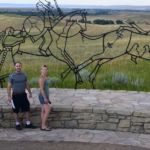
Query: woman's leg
[44,115]
[42,112]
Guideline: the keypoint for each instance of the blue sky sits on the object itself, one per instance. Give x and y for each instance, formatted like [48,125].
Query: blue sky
[86,2]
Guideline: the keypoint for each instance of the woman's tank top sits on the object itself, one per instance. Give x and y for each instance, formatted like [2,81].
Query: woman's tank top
[46,88]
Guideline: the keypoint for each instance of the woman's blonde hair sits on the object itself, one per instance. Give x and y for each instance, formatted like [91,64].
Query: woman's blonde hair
[45,66]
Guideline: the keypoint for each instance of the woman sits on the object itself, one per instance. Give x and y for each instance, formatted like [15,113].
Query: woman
[44,98]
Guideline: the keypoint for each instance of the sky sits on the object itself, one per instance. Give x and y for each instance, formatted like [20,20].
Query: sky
[86,2]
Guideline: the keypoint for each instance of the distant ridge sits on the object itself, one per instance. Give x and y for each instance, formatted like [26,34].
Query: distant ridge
[127,7]
[10,5]
[113,7]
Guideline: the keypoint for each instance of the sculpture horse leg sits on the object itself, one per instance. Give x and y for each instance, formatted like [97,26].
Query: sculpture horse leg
[4,54]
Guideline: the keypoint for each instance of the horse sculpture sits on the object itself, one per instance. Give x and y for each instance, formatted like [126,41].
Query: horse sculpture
[42,30]
[50,38]
[107,53]
[10,40]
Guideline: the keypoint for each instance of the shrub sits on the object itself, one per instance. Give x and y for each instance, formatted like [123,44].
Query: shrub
[103,22]
[85,75]
[83,21]
[119,78]
[34,81]
[137,82]
[119,22]
[53,81]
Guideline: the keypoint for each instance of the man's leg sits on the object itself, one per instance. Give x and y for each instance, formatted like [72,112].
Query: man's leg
[28,122]
[27,115]
[16,117]
[16,107]
[25,107]
[18,125]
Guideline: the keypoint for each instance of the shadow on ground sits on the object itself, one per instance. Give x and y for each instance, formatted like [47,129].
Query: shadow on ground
[38,145]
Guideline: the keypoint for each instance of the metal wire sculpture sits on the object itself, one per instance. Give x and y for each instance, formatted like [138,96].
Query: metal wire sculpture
[42,29]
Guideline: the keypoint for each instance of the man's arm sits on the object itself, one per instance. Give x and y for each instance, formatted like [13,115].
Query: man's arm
[9,86]
[28,89]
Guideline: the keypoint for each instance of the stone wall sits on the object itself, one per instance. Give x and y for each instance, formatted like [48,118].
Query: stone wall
[87,117]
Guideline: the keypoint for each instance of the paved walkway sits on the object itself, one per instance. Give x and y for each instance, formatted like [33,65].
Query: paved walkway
[76,135]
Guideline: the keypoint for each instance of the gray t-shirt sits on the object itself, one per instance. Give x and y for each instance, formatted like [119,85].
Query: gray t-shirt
[18,82]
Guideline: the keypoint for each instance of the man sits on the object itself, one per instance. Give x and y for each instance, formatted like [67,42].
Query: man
[18,83]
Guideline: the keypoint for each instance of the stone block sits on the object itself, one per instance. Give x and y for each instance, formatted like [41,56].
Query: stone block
[144,113]
[122,117]
[64,118]
[98,117]
[113,120]
[124,124]
[65,114]
[53,115]
[86,126]
[6,109]
[56,124]
[83,116]
[62,108]
[119,112]
[146,126]
[86,121]
[147,120]
[106,126]
[105,117]
[71,124]
[137,123]
[82,109]
[137,129]
[147,131]
[99,110]
[138,119]
[6,124]
[35,109]
[36,119]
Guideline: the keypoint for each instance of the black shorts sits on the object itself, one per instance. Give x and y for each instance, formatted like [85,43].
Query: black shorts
[21,103]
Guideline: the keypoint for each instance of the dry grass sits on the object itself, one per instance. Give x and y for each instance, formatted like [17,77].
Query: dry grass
[81,51]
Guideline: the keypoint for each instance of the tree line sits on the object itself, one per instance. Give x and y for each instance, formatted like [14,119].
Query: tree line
[33,12]
[102,21]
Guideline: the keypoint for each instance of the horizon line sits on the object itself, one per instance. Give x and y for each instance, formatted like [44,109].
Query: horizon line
[80,4]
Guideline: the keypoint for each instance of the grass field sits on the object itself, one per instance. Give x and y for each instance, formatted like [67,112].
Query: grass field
[119,74]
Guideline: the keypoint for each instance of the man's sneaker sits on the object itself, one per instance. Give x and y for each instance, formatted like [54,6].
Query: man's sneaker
[31,126]
[18,127]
